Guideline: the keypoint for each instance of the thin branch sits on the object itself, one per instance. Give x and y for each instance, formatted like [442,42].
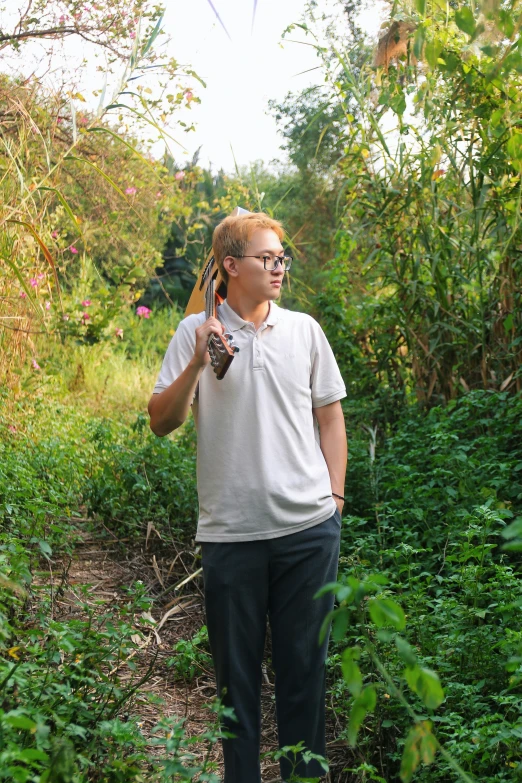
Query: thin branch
[57,32]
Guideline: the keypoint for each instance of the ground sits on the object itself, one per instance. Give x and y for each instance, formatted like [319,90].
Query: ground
[107,566]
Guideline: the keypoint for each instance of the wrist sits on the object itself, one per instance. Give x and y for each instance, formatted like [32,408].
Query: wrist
[338,497]
[197,364]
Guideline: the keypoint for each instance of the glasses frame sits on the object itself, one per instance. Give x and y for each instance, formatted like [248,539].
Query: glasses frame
[278,260]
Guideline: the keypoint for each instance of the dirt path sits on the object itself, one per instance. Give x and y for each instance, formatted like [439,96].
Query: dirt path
[108,569]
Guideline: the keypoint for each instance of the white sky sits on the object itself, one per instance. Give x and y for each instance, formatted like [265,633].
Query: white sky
[241,74]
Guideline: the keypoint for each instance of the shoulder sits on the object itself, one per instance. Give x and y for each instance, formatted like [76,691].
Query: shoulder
[191,322]
[294,318]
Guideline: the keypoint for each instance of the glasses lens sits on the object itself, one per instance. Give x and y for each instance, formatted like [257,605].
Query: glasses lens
[272,262]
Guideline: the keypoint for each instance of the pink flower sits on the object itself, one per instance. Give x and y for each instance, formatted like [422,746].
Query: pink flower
[54,234]
[34,282]
[66,317]
[47,305]
[143,312]
[188,96]
[59,120]
[62,19]
[132,35]
[119,333]
[23,295]
[158,194]
[86,303]
[179,175]
[35,364]
[12,428]
[131,191]
[85,316]
[40,276]
[73,249]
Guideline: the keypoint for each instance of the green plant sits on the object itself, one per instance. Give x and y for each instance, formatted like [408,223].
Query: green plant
[191,656]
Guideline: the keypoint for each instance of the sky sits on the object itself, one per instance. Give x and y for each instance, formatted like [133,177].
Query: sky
[233,121]
[241,74]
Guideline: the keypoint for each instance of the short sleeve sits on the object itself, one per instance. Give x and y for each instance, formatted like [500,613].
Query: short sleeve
[179,353]
[326,381]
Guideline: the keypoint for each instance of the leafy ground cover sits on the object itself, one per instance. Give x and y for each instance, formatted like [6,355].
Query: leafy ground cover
[427,511]
[71,664]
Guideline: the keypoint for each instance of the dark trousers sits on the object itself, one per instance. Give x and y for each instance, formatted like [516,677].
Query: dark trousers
[245,581]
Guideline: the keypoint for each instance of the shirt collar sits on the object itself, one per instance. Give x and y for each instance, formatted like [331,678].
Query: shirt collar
[233,321]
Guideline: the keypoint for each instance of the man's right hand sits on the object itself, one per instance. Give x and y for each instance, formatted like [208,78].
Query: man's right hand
[211,326]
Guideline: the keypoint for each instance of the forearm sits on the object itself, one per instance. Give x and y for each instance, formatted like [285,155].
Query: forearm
[334,446]
[169,409]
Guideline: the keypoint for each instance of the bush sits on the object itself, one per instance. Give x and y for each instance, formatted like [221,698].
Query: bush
[141,480]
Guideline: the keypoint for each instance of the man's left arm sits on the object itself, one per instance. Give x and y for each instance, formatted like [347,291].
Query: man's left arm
[332,435]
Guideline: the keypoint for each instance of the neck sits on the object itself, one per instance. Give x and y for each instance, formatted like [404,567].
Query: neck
[248,309]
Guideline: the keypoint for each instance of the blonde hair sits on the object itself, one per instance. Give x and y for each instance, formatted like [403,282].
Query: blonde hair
[233,234]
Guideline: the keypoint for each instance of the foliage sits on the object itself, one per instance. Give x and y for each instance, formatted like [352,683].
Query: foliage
[191,655]
[141,480]
[84,205]
[427,512]
[68,704]
[422,298]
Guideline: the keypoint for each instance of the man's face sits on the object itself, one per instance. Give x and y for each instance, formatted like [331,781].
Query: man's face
[248,274]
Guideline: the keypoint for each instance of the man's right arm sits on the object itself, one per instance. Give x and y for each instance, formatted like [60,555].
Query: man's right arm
[169,409]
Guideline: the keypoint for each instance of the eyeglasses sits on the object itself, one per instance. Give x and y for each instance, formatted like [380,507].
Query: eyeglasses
[271,262]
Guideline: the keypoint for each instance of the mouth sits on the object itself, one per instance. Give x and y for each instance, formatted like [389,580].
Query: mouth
[276,283]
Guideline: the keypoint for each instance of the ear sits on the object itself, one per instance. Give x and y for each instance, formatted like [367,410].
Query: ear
[231,265]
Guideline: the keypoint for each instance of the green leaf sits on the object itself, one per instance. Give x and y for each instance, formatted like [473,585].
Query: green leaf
[33,754]
[330,587]
[376,579]
[465,20]
[496,117]
[20,722]
[508,322]
[66,206]
[45,548]
[418,42]
[513,533]
[152,36]
[398,103]
[505,22]
[513,530]
[405,651]
[432,52]
[384,611]
[420,5]
[340,624]
[426,684]
[351,672]
[514,146]
[363,704]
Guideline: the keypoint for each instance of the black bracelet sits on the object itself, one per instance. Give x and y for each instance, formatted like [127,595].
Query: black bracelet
[338,496]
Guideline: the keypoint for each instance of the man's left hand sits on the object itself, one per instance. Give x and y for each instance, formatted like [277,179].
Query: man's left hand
[339,503]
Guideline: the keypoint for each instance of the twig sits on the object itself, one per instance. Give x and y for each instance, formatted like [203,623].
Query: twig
[180,584]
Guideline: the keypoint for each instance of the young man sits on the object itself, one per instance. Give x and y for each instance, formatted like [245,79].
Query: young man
[271,465]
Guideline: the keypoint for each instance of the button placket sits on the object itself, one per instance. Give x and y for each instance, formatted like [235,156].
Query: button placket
[256,353]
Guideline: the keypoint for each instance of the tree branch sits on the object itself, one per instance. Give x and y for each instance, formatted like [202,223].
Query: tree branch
[56,32]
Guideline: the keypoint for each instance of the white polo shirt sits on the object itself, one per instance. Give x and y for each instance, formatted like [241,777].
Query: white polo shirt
[260,469]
